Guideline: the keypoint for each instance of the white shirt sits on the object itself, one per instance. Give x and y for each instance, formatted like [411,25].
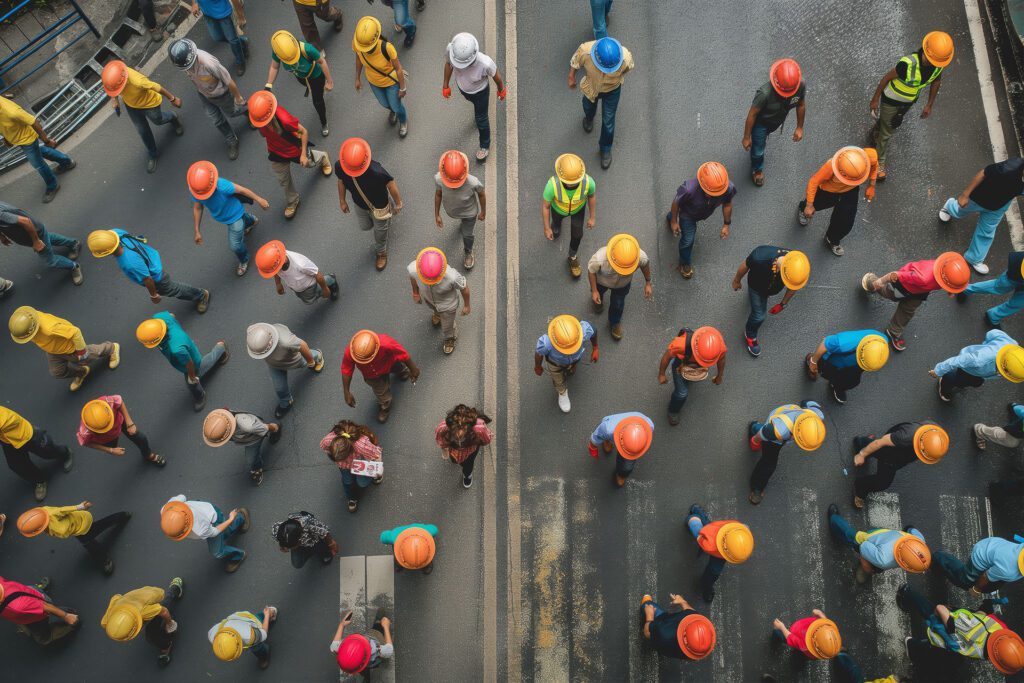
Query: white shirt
[301,272]
[474,77]
[251,632]
[204,517]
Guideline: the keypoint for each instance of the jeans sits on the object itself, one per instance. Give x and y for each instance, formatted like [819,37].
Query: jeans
[215,108]
[223,31]
[208,363]
[302,554]
[218,545]
[959,574]
[840,223]
[766,465]
[843,531]
[403,18]
[40,445]
[716,565]
[480,101]
[236,236]
[146,8]
[165,286]
[851,670]
[984,231]
[600,10]
[51,240]
[1000,285]
[687,236]
[350,481]
[254,452]
[681,388]
[840,378]
[96,549]
[758,142]
[609,103]
[307,16]
[758,311]
[618,302]
[36,153]
[314,293]
[158,116]
[389,99]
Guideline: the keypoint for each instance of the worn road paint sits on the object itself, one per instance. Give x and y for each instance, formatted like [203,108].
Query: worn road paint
[892,624]
[725,608]
[548,521]
[808,572]
[587,605]
[642,572]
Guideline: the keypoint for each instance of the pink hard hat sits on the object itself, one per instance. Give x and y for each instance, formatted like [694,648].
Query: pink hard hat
[354,653]
[431,265]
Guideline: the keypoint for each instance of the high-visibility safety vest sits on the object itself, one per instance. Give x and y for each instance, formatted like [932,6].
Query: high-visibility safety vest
[908,90]
[567,201]
[971,630]
[787,414]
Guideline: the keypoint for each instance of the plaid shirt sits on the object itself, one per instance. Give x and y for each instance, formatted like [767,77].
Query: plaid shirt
[481,436]
[313,530]
[362,449]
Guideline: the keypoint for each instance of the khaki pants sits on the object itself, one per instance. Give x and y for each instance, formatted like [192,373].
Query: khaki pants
[560,375]
[283,171]
[67,365]
[307,19]
[381,389]
[448,327]
[888,114]
[905,307]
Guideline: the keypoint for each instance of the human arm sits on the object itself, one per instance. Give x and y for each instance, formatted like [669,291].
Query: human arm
[246,192]
[197,217]
[129,423]
[304,144]
[446,89]
[863,454]
[150,286]
[414,370]
[190,372]
[595,352]
[823,175]
[400,73]
[396,198]
[226,523]
[648,287]
[342,194]
[721,371]
[666,358]
[499,83]
[876,98]
[324,289]
[545,216]
[47,140]
[55,611]
[415,290]
[812,362]
[306,354]
[235,92]
[30,229]
[266,618]
[346,385]
[965,196]
[592,210]
[328,80]
[737,281]
[801,111]
[594,294]
[345,621]
[748,127]
[726,219]
[359,72]
[674,213]
[272,74]
[482,197]
[278,285]
[680,600]
[981,584]
[933,92]
[385,624]
[538,368]
[437,209]
[175,101]
[465,300]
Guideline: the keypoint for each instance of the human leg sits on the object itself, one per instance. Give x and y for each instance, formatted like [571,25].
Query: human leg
[758,143]
[559,375]
[139,120]
[449,329]
[842,531]
[279,378]
[758,312]
[210,360]
[283,172]
[589,110]
[480,101]
[609,105]
[905,310]
[307,23]
[236,240]
[618,304]
[997,435]
[403,18]
[381,387]
[395,103]
[34,156]
[599,10]
[680,389]
[216,115]
[19,463]
[984,232]
[888,114]
[51,240]
[576,231]
[713,570]
[841,221]
[254,452]
[300,556]
[765,467]
[316,93]
[468,463]
[159,117]
[178,290]
[954,570]
[688,235]
[879,481]
[141,442]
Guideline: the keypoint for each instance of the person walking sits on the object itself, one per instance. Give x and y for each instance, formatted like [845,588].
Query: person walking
[181,519]
[216,89]
[303,535]
[803,424]
[725,541]
[997,355]
[902,85]
[21,129]
[19,438]
[297,271]
[376,356]
[384,73]
[246,429]
[1010,281]
[570,192]
[1009,435]
[442,286]
[784,91]
[403,18]
[147,607]
[357,652]
[630,434]
[241,631]
[684,634]
[460,436]
[163,332]
[561,350]
[690,354]
[463,197]
[611,270]
[881,549]
[77,521]
[33,610]
[695,200]
[842,358]
[142,98]
[835,185]
[901,445]
[104,419]
[414,546]
[374,192]
[308,65]
[221,26]
[287,143]
[346,443]
[816,636]
[283,351]
[67,354]
[308,11]
[599,10]
[17,227]
[471,69]
[605,63]
[993,562]
[143,265]
[222,197]
[910,286]
[769,270]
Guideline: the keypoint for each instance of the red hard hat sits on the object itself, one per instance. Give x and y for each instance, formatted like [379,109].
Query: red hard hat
[262,107]
[454,167]
[114,77]
[270,257]
[354,653]
[632,437]
[696,636]
[354,156]
[708,346]
[202,179]
[785,77]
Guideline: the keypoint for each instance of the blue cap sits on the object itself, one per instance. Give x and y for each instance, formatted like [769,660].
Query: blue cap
[607,55]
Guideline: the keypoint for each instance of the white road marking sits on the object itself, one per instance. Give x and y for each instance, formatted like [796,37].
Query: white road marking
[725,612]
[878,600]
[547,519]
[587,605]
[642,573]
[807,572]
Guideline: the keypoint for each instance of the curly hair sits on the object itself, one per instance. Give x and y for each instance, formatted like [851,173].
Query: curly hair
[463,418]
[348,432]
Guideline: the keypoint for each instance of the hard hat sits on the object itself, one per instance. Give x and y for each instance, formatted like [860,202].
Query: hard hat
[795,270]
[850,165]
[24,324]
[123,623]
[285,46]
[202,179]
[912,554]
[354,653]
[364,346]
[463,49]
[952,272]
[114,77]
[176,520]
[1020,560]
[623,253]
[33,522]
[182,53]
[367,34]
[103,242]
[570,169]
[1009,362]
[872,352]
[1005,649]
[708,346]
[431,265]
[262,106]
[270,258]
[261,340]
[218,427]
[98,416]
[823,641]
[566,334]
[930,443]
[808,430]
[453,167]
[785,77]
[607,55]
[632,437]
[735,542]
[151,332]
[713,178]
[414,548]
[938,48]
[227,645]
[355,156]
[696,636]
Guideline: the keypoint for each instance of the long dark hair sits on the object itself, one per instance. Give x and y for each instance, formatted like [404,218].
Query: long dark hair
[347,433]
[460,421]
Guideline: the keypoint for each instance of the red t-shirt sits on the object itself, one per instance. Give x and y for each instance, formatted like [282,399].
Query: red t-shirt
[918,277]
[390,352]
[280,145]
[85,436]
[798,634]
[22,610]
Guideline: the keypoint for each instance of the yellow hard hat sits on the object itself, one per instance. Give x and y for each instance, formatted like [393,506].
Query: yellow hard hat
[808,430]
[570,169]
[98,416]
[367,34]
[795,270]
[151,332]
[103,242]
[285,46]
[735,542]
[124,623]
[1010,362]
[938,48]
[623,253]
[24,324]
[873,353]
[566,334]
[227,645]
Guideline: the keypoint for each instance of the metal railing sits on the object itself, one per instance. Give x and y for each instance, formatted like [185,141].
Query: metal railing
[41,40]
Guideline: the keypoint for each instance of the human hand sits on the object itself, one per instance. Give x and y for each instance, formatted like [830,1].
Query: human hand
[131,429]
[438,222]
[502,93]
[304,160]
[776,309]
[595,296]
[416,297]
[746,142]
[590,222]
[859,459]
[384,621]
[538,370]
[347,619]
[70,619]
[195,9]
[401,93]
[198,238]
[718,379]
[725,231]
[798,134]
[662,379]
[344,207]
[963,199]
[38,246]
[118,450]
[48,141]
[176,102]
[737,285]
[446,92]
[155,298]
[549,234]
[927,111]
[648,290]
[350,400]
[465,309]
[779,625]
[359,84]
[329,86]
[262,203]
[482,216]
[232,515]
[85,504]
[572,80]
[818,613]
[809,211]
[594,355]
[932,374]
[676,599]
[869,193]
[675,226]
[397,209]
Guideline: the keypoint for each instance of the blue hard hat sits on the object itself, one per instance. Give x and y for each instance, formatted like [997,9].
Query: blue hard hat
[607,55]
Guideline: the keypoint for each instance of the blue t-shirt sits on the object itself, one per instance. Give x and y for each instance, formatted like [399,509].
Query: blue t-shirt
[215,9]
[546,348]
[177,347]
[137,260]
[841,348]
[223,205]
[877,548]
[998,557]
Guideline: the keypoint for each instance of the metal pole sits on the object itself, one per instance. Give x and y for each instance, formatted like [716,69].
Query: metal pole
[85,18]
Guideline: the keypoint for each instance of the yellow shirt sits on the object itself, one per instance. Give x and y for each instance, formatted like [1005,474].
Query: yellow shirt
[16,123]
[596,81]
[145,600]
[57,336]
[14,429]
[140,92]
[307,3]
[68,521]
[375,61]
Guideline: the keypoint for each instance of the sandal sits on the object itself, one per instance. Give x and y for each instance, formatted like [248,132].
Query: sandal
[353,505]
[758,178]
[156,459]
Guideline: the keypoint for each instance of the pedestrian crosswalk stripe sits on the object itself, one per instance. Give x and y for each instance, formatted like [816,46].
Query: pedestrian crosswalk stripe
[808,573]
[725,608]
[878,600]
[545,522]
[643,575]
[588,606]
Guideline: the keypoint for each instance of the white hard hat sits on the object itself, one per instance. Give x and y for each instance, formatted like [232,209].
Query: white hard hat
[463,49]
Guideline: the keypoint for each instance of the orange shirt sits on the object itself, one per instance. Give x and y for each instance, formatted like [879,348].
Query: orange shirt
[707,536]
[826,180]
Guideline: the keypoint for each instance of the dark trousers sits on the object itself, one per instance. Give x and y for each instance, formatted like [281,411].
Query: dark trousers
[851,670]
[467,464]
[716,565]
[307,19]
[575,226]
[302,554]
[480,101]
[141,118]
[98,549]
[316,91]
[618,302]
[156,631]
[41,445]
[840,378]
[959,574]
[766,465]
[148,17]
[952,382]
[841,222]
[138,438]
[1008,487]
[758,311]
[609,104]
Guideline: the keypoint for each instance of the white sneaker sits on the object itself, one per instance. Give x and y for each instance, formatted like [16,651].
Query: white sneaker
[563,402]
[981,268]
[944,215]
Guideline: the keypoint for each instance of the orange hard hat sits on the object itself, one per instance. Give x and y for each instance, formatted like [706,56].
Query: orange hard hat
[632,437]
[431,265]
[912,554]
[355,156]
[262,107]
[270,258]
[33,522]
[931,442]
[1005,649]
[696,636]
[415,548]
[454,167]
[823,641]
[952,272]
[785,77]
[713,178]
[176,520]
[364,346]
[938,48]
[114,77]
[708,346]
[202,179]
[851,166]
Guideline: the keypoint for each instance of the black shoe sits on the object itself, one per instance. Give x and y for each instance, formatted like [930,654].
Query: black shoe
[199,405]
[65,169]
[838,394]
[239,71]
[233,150]
[276,436]
[281,411]
[697,511]
[50,194]
[150,165]
[179,128]
[108,566]
[409,40]
[988,321]
[256,476]
[335,290]
[467,481]
[833,509]
[606,159]
[420,5]
[588,124]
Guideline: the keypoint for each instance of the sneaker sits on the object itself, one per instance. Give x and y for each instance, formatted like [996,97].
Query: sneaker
[64,169]
[467,481]
[383,414]
[232,567]
[755,497]
[76,275]
[115,357]
[896,341]
[606,159]
[246,521]
[833,509]
[40,491]
[203,303]
[7,286]
[752,346]
[242,268]
[318,361]
[575,269]
[468,260]
[227,354]
[156,35]
[420,5]
[617,332]
[76,383]
[981,268]
[335,289]
[289,211]
[865,282]
[281,411]
[836,249]
[448,346]
[588,124]
[108,566]
[410,38]
[988,321]
[403,130]
[800,217]
[482,153]
[179,127]
[50,194]
[239,71]
[838,394]
[256,476]
[326,130]
[69,461]
[233,150]
[150,165]
[353,505]
[944,215]
[392,118]
[563,402]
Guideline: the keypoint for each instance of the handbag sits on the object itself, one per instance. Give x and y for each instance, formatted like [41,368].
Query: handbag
[378,214]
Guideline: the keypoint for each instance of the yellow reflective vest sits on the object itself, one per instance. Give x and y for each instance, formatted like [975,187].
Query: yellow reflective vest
[907,91]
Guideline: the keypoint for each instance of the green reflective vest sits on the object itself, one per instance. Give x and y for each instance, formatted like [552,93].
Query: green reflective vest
[907,91]
[971,630]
